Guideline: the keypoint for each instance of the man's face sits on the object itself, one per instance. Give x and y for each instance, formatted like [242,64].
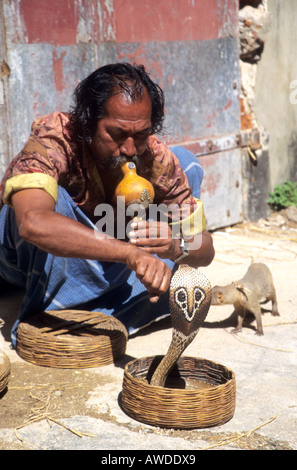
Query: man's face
[123,132]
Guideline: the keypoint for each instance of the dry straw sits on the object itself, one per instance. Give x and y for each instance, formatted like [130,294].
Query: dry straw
[179,408]
[42,410]
[71,339]
[4,371]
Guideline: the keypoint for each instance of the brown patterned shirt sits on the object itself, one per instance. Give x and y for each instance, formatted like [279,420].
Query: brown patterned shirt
[51,158]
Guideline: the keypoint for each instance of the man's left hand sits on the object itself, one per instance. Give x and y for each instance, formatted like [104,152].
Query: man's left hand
[155,237]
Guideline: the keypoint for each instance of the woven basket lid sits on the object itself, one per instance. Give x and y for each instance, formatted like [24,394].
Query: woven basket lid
[71,339]
[4,371]
[209,400]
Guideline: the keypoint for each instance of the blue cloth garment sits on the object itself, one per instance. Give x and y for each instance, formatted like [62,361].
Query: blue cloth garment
[54,283]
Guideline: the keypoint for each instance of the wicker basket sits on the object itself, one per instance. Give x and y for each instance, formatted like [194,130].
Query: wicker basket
[71,339]
[175,405]
[4,371]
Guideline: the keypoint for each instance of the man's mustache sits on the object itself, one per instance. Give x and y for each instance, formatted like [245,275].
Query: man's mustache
[114,163]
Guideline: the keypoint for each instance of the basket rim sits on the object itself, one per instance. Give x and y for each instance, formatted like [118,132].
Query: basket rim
[168,390]
[67,317]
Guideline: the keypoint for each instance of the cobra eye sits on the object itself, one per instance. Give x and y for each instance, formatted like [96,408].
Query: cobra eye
[181,296]
[198,295]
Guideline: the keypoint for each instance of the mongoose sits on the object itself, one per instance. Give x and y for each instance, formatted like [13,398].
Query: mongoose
[246,295]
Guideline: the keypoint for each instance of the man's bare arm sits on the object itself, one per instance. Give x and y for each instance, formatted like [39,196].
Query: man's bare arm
[59,235]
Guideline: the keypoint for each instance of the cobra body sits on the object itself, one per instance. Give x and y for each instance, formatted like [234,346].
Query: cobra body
[189,302]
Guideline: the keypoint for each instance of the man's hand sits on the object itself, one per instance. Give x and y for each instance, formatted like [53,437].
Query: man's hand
[152,272]
[155,238]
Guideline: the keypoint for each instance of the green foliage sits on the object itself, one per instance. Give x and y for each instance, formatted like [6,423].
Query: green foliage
[283,195]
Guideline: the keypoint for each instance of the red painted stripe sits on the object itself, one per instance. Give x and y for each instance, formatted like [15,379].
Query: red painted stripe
[165,20]
[58,70]
[52,22]
[56,21]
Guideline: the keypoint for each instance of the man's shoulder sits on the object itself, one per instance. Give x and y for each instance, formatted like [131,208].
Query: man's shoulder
[155,145]
[164,167]
[57,121]
[160,151]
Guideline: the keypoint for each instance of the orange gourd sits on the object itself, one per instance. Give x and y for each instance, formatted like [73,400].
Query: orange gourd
[134,188]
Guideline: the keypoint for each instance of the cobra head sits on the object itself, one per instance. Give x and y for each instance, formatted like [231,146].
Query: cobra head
[190,297]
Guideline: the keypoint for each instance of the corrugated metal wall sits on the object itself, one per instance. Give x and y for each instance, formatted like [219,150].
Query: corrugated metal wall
[190,47]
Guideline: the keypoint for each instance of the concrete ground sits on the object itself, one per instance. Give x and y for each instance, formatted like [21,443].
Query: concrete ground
[82,406]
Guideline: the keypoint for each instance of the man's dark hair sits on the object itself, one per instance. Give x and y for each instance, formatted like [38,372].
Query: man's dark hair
[92,93]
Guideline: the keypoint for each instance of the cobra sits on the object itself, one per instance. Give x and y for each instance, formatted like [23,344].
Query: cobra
[189,302]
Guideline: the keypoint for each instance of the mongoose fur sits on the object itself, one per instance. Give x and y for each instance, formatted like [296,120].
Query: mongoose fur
[246,295]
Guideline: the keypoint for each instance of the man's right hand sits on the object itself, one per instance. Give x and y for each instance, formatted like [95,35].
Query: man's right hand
[154,274]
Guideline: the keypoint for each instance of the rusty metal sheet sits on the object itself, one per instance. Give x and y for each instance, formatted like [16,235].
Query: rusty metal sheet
[222,188]
[201,83]
[188,46]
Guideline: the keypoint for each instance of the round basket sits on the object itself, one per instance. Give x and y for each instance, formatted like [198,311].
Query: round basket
[71,339]
[208,400]
[4,371]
